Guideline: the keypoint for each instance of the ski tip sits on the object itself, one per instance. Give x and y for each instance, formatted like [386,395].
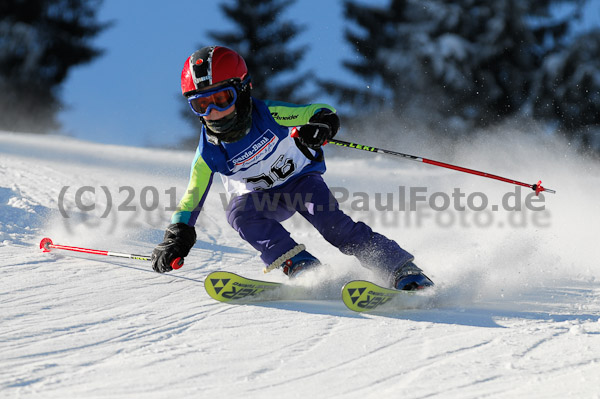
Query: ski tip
[45,244]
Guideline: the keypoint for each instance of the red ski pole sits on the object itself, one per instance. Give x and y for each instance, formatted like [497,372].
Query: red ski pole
[47,245]
[535,187]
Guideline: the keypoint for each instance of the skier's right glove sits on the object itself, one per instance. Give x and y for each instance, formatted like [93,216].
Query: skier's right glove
[179,239]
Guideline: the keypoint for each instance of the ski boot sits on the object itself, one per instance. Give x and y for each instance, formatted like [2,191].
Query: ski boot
[299,263]
[410,278]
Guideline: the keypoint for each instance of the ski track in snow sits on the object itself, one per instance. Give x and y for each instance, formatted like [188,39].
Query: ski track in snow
[515,313]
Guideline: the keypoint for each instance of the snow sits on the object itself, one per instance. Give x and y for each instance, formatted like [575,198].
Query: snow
[516,309]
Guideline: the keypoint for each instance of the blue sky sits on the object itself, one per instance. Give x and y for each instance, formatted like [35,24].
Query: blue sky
[131,94]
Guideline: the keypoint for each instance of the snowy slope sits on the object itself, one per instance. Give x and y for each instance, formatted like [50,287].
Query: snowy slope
[516,311]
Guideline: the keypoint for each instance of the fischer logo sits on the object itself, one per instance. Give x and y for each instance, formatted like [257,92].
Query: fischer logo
[374,300]
[240,290]
[369,299]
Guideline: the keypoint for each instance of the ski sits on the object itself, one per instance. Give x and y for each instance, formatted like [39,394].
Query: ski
[357,295]
[362,296]
[230,287]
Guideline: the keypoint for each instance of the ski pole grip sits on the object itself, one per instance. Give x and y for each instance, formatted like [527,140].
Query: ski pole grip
[177,263]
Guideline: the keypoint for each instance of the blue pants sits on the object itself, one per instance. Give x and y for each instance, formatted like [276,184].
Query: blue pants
[256,216]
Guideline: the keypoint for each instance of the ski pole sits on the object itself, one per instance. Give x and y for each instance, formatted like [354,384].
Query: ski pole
[47,245]
[535,187]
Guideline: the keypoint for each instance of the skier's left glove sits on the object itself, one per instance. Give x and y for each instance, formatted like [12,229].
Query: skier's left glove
[179,239]
[321,127]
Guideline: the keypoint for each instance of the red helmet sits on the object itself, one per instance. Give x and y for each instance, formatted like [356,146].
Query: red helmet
[209,66]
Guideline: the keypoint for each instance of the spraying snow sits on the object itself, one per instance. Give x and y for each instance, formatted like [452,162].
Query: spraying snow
[515,311]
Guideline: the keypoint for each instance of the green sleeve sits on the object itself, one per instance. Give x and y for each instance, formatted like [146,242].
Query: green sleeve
[190,205]
[287,114]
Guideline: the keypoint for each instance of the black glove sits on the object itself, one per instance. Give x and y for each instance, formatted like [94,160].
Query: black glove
[179,239]
[321,127]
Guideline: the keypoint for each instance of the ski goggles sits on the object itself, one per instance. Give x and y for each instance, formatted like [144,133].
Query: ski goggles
[220,99]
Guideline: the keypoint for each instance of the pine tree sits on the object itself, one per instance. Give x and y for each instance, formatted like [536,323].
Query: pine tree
[568,89]
[471,62]
[480,55]
[263,40]
[377,41]
[40,41]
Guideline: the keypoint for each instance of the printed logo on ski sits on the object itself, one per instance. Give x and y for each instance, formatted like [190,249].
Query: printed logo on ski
[372,299]
[237,291]
[218,284]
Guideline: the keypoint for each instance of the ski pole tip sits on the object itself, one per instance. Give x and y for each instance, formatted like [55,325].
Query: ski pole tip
[538,188]
[45,244]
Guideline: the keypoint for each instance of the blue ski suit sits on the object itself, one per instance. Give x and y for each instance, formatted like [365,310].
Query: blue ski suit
[271,177]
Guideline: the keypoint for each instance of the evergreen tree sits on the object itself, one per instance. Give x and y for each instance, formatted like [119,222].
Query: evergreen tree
[40,40]
[378,43]
[481,55]
[263,39]
[466,61]
[568,89]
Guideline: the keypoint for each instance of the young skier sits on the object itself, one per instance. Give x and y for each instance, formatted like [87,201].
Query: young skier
[272,172]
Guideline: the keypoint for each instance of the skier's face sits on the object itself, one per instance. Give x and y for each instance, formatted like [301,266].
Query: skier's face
[216,115]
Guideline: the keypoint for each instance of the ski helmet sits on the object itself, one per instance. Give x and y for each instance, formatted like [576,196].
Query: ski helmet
[213,67]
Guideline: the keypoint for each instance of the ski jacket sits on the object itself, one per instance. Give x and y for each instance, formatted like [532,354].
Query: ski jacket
[265,158]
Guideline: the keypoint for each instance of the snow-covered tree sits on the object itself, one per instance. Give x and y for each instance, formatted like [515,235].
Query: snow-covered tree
[568,89]
[40,41]
[471,62]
